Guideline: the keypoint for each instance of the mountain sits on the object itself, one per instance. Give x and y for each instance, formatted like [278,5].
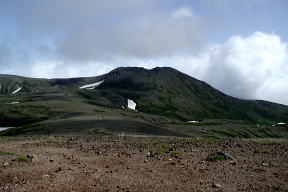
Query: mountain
[165,99]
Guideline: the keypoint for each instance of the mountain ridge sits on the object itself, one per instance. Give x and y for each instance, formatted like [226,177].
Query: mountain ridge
[161,94]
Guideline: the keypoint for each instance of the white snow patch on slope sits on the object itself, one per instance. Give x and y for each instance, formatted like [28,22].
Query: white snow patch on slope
[91,86]
[17,90]
[14,102]
[131,104]
[4,128]
[281,123]
[192,121]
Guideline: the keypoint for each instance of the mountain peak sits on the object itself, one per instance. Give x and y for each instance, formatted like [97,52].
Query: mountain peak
[162,91]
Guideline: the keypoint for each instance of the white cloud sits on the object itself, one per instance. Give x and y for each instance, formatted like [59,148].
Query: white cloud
[182,12]
[152,35]
[241,66]
[57,69]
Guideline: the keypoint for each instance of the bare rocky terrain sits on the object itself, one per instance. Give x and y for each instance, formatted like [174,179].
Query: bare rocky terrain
[113,163]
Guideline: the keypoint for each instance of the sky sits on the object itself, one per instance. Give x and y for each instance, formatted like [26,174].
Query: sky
[237,46]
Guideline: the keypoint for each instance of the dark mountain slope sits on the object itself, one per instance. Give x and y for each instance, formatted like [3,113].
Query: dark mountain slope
[164,92]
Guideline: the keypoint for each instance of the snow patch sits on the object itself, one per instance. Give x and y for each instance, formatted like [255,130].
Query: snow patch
[193,122]
[281,123]
[14,102]
[17,90]
[4,128]
[131,104]
[91,86]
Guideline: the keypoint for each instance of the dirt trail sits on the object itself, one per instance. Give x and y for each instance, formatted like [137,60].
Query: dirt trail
[108,163]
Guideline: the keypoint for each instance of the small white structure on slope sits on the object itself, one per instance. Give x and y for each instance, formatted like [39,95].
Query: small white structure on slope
[17,90]
[91,86]
[131,104]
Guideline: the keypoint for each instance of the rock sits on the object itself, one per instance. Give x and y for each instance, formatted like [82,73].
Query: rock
[203,162]
[150,154]
[5,164]
[265,164]
[51,160]
[233,162]
[59,170]
[227,156]
[172,163]
[32,157]
[216,185]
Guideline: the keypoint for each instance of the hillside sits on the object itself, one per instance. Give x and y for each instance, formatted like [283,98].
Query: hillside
[165,100]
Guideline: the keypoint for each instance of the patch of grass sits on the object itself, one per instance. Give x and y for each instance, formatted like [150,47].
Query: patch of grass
[22,159]
[215,157]
[268,151]
[158,147]
[270,141]
[205,124]
[175,153]
[7,153]
[161,149]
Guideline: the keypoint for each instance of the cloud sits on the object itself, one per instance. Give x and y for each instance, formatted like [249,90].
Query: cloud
[241,65]
[147,36]
[53,14]
[182,12]
[55,68]
[98,31]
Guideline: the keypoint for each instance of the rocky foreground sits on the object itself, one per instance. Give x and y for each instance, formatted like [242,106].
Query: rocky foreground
[110,163]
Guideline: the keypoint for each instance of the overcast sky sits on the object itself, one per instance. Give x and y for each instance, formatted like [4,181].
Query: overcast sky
[237,46]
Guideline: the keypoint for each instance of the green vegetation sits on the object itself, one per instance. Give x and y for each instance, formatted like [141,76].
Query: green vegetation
[159,150]
[7,153]
[215,157]
[22,159]
[160,147]
[175,153]
[268,151]
[206,124]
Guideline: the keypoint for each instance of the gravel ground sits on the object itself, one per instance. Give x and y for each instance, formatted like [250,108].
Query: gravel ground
[110,163]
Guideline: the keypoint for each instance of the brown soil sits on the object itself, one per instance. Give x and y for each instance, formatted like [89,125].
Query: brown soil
[110,163]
